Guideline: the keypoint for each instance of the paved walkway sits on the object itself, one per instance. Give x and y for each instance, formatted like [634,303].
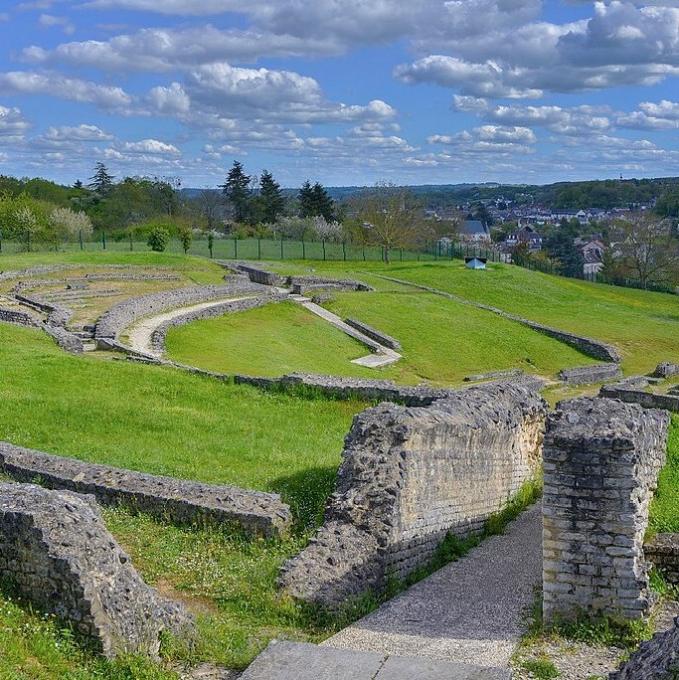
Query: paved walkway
[141,333]
[471,611]
[383,356]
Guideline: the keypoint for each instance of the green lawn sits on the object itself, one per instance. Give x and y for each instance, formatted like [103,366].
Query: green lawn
[664,512]
[443,341]
[164,421]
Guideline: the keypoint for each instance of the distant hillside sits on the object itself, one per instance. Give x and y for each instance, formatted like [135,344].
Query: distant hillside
[609,193]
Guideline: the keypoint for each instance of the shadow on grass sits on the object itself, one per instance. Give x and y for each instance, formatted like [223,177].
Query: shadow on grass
[307,492]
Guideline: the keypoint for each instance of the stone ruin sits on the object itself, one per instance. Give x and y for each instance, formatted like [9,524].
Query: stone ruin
[411,476]
[56,553]
[602,458]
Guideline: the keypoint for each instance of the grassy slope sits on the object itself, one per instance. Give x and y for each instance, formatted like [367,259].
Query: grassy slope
[643,325]
[443,341]
[164,421]
[664,513]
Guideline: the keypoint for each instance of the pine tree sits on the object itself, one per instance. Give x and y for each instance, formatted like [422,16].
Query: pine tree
[305,198]
[77,184]
[271,198]
[101,182]
[237,191]
[322,203]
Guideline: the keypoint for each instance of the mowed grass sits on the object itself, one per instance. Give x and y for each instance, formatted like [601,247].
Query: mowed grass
[443,341]
[664,512]
[644,326]
[164,421]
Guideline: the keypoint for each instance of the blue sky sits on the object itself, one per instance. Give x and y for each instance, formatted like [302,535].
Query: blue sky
[341,91]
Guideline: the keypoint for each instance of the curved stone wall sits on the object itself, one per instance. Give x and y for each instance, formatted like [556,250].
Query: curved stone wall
[411,476]
[56,553]
[176,500]
[121,316]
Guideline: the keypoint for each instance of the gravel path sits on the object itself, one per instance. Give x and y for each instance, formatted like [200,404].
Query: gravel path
[140,334]
[471,611]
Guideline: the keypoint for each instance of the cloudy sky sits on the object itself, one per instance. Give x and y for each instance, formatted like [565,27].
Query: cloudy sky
[344,91]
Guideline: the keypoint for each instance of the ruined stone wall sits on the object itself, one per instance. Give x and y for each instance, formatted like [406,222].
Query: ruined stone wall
[121,316]
[656,659]
[584,375]
[305,284]
[16,317]
[601,464]
[56,553]
[628,394]
[410,476]
[374,334]
[663,552]
[176,500]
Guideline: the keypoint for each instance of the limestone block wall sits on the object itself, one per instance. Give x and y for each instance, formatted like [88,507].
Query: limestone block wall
[16,317]
[374,334]
[410,476]
[124,314]
[601,464]
[56,552]
[179,501]
[583,375]
[663,552]
[627,393]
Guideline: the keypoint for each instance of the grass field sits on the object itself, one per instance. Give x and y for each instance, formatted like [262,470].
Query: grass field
[664,512]
[443,341]
[164,421]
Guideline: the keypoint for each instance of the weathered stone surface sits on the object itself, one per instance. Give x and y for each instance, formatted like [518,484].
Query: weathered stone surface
[261,276]
[495,375]
[16,317]
[160,334]
[601,463]
[378,336]
[57,553]
[304,284]
[64,338]
[57,315]
[666,370]
[177,500]
[124,314]
[626,392]
[409,477]
[584,375]
[655,659]
[663,552]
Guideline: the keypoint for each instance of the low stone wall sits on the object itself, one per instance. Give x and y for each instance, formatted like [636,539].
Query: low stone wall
[378,336]
[662,551]
[411,476]
[65,339]
[261,276]
[57,315]
[57,553]
[656,659]
[666,370]
[590,347]
[16,317]
[179,501]
[304,284]
[160,334]
[601,464]
[621,391]
[585,375]
[496,375]
[121,316]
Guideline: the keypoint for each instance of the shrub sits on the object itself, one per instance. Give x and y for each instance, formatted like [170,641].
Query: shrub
[186,237]
[159,237]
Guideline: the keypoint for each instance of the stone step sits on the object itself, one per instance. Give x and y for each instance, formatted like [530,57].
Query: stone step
[302,661]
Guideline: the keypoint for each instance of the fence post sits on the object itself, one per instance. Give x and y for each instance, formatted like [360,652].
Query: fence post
[401,255]
[282,256]
[344,251]
[80,239]
[303,250]
[131,242]
[323,243]
[259,248]
[363,253]
[0,241]
[235,248]
[103,239]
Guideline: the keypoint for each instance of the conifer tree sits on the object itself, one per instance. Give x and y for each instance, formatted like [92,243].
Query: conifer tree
[101,182]
[237,191]
[272,200]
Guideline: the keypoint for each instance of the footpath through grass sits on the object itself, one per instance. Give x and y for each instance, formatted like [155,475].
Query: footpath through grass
[166,422]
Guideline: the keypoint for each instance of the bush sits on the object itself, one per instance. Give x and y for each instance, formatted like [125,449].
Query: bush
[186,237]
[159,237]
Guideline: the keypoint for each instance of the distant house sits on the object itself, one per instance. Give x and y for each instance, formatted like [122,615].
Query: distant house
[474,230]
[475,262]
[527,235]
[593,254]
